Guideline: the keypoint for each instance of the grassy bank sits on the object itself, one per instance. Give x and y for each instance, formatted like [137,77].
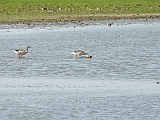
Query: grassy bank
[73,10]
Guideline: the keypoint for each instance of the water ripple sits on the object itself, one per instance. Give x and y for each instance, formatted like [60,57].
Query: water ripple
[119,53]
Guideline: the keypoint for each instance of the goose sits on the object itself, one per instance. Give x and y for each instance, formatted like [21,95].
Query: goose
[21,52]
[80,53]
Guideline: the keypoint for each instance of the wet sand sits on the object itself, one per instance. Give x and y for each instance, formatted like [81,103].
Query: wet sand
[115,87]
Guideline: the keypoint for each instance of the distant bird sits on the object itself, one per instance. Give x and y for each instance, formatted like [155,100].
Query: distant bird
[109,24]
[21,52]
[81,54]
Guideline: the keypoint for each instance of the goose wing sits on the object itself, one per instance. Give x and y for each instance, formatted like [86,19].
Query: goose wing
[79,51]
[83,53]
[20,51]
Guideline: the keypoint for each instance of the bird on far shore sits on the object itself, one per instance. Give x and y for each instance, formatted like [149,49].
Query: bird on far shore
[81,54]
[21,52]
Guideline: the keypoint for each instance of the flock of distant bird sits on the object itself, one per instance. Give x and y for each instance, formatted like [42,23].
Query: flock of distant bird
[77,53]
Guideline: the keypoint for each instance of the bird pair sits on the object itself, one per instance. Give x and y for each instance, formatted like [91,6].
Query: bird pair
[78,53]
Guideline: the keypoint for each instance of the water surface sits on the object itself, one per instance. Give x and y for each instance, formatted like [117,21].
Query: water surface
[123,51]
[48,83]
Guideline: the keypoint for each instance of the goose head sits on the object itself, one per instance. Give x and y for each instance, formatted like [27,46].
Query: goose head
[88,56]
[28,46]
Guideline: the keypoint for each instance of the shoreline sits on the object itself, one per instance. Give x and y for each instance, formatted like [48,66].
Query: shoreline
[80,18]
[9,28]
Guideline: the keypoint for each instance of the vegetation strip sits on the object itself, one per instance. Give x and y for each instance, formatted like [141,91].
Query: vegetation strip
[12,11]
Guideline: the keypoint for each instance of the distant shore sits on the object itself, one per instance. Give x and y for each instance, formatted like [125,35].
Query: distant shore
[79,18]
[19,11]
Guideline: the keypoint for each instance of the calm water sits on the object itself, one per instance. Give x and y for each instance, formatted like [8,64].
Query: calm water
[128,51]
[120,52]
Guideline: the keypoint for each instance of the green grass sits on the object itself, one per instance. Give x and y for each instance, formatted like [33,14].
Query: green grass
[45,10]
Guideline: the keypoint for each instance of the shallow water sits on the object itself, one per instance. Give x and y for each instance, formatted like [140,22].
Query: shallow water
[119,82]
[83,105]
[120,52]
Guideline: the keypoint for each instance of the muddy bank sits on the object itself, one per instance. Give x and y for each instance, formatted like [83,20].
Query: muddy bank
[54,25]
[80,18]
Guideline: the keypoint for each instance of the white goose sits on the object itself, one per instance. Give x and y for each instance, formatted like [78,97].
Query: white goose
[80,53]
[21,52]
